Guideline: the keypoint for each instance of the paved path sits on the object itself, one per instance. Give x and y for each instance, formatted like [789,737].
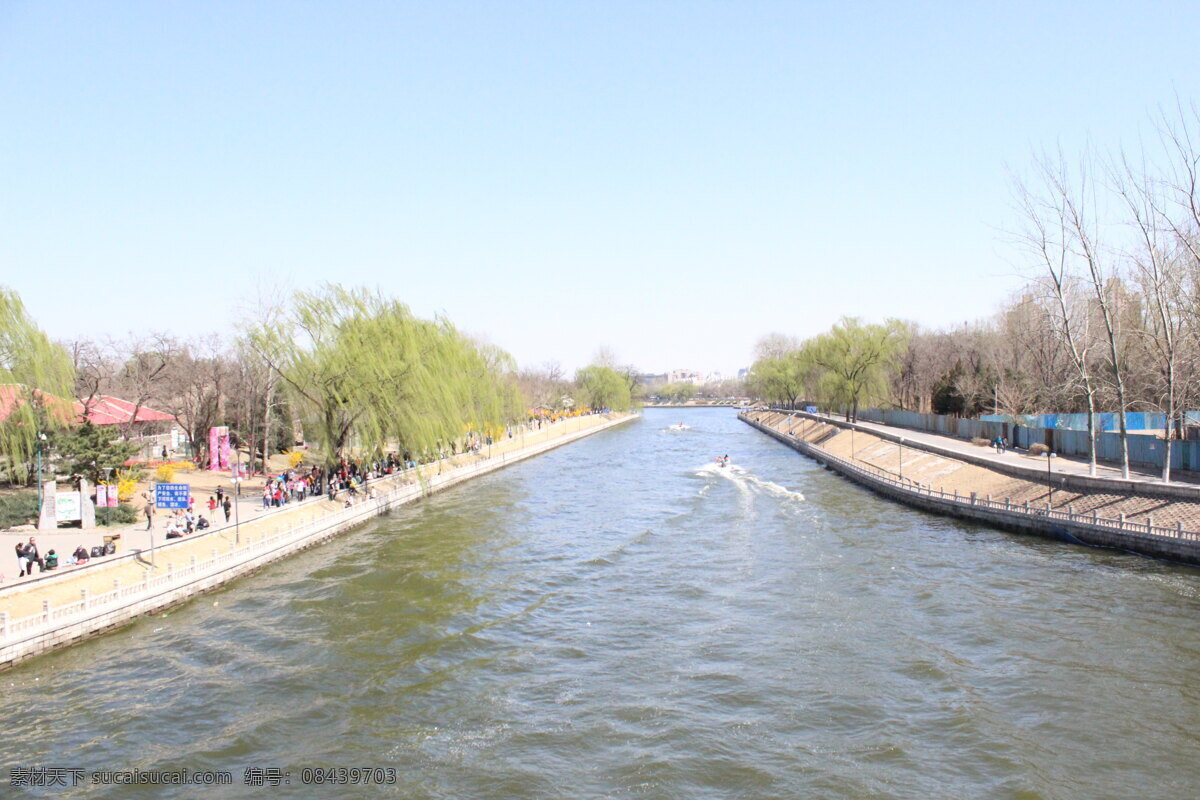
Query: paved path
[1060,465]
[249,509]
[133,537]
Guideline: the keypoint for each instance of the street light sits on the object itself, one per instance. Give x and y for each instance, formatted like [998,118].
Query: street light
[237,484]
[41,437]
[1049,480]
[107,506]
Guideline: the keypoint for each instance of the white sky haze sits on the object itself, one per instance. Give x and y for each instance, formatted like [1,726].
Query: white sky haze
[671,180]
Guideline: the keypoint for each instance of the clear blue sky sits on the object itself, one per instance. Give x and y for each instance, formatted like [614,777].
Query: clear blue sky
[668,179]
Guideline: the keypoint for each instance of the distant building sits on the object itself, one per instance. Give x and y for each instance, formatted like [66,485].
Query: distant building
[651,380]
[743,373]
[685,376]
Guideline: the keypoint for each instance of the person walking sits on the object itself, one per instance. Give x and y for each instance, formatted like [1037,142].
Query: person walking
[228,507]
[149,510]
[31,555]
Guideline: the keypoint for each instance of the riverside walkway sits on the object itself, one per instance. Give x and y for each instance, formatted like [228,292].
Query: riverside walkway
[956,478]
[249,509]
[59,608]
[1139,477]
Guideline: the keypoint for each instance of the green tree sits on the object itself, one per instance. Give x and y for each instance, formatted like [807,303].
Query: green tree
[88,449]
[603,387]
[783,379]
[362,371]
[677,392]
[36,383]
[857,360]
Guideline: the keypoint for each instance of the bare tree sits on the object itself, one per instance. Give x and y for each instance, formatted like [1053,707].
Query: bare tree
[1156,262]
[1074,194]
[1049,235]
[775,346]
[94,369]
[144,368]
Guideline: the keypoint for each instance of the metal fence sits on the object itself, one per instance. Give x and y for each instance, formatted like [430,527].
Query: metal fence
[872,475]
[1144,449]
[250,549]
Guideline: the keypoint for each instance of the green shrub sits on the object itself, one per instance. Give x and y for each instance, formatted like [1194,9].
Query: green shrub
[18,509]
[121,515]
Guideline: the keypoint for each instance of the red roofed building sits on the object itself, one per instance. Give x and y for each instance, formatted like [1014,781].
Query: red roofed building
[14,395]
[154,430]
[106,410]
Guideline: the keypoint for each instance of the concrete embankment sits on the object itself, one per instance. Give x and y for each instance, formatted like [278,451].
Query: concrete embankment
[67,607]
[1131,517]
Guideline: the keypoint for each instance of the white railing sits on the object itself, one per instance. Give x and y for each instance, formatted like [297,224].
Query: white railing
[250,550]
[873,474]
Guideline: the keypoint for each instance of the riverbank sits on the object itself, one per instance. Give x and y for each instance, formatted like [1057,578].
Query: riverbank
[695,405]
[60,609]
[1133,516]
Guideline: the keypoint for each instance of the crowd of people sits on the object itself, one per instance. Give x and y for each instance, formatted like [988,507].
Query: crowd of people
[28,556]
[182,522]
[346,481]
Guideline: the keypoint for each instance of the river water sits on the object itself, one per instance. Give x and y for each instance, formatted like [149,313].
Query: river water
[621,618]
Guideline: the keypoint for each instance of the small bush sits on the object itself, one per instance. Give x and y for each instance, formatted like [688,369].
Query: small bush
[164,474]
[18,509]
[295,457]
[1038,449]
[133,473]
[121,515]
[181,466]
[982,442]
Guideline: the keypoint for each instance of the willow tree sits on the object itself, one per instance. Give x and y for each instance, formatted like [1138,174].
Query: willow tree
[362,370]
[36,382]
[782,378]
[603,387]
[857,359]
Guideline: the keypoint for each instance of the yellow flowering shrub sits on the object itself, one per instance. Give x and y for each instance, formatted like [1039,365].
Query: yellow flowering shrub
[295,457]
[125,489]
[164,474]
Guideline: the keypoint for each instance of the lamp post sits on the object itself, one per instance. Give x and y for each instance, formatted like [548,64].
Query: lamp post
[237,482]
[41,437]
[1049,480]
[107,506]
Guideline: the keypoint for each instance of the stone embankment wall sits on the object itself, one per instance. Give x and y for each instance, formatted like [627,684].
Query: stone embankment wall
[915,475]
[198,564]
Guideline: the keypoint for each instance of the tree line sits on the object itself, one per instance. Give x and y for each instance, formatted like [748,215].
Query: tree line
[348,370]
[1108,318]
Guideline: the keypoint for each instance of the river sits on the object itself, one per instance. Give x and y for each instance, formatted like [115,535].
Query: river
[621,618]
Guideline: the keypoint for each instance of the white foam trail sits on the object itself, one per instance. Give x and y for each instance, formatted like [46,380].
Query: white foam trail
[749,483]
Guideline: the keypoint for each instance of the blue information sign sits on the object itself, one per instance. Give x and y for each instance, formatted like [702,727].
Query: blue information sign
[171,495]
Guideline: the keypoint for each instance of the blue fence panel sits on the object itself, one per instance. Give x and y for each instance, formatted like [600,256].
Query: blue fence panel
[1068,432]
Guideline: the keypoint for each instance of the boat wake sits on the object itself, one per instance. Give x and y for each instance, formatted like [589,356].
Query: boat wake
[747,482]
